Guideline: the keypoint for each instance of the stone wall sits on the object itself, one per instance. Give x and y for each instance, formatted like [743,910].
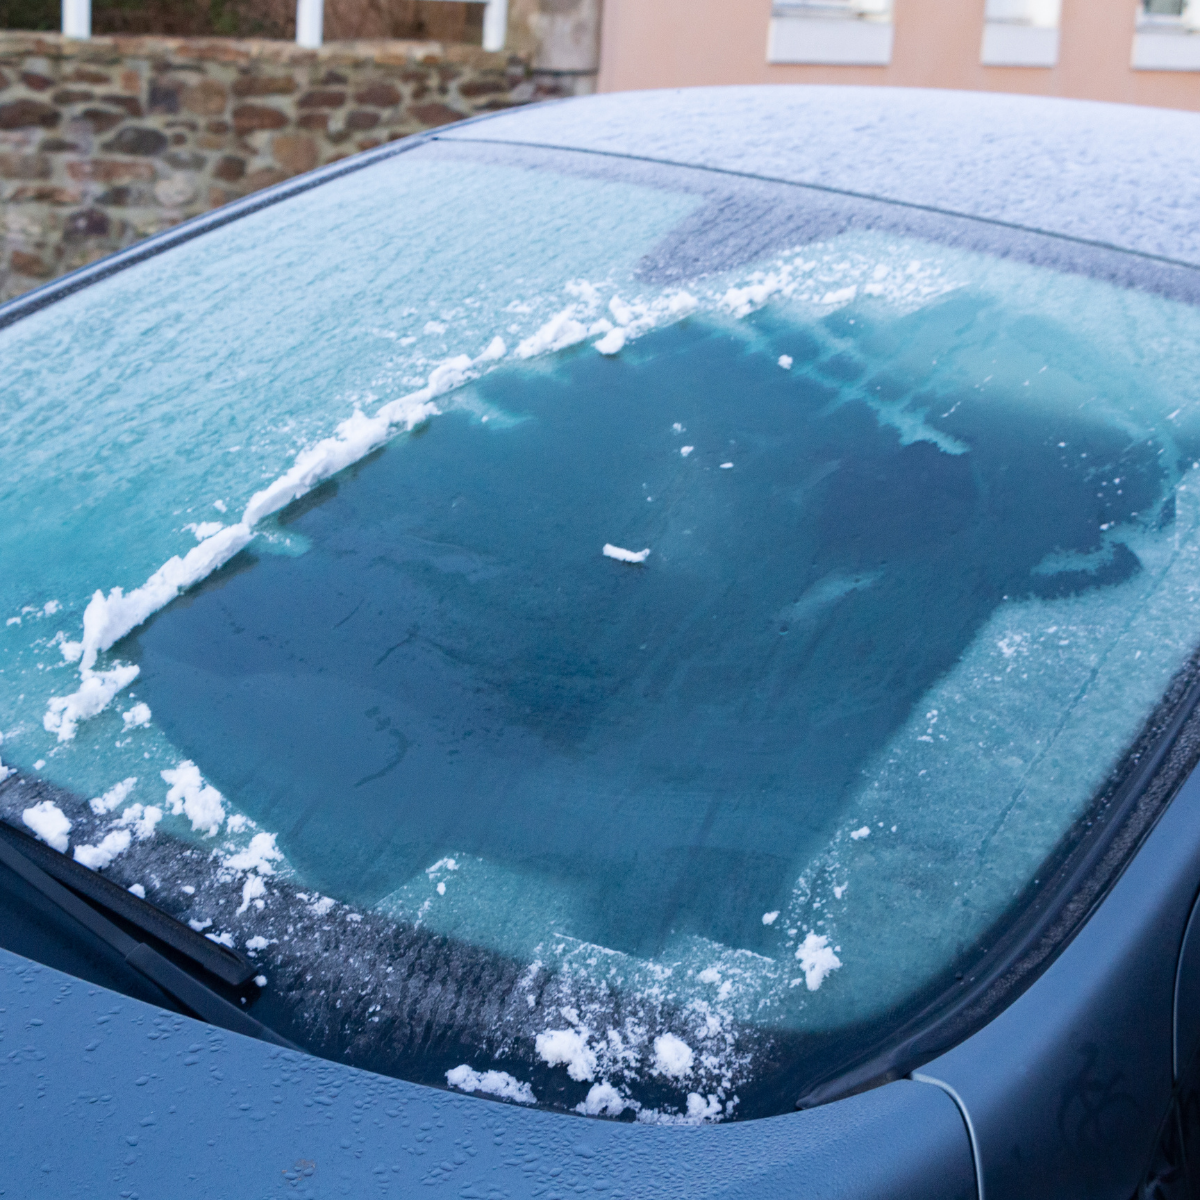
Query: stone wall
[108,140]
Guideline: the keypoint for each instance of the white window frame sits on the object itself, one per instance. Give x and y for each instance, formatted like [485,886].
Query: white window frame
[1167,43]
[1021,33]
[831,32]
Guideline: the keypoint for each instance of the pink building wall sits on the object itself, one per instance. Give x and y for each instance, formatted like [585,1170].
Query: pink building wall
[684,43]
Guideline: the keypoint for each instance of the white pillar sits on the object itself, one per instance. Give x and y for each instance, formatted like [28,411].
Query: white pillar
[77,18]
[309,18]
[495,24]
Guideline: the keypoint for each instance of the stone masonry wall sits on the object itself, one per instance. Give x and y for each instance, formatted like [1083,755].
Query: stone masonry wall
[108,140]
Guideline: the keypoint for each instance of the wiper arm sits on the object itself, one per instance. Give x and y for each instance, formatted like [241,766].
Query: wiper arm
[198,998]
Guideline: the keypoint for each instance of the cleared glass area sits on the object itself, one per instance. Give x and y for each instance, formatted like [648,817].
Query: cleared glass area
[638,630]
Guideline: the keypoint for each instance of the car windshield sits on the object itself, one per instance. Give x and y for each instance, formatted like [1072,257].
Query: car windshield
[643,630]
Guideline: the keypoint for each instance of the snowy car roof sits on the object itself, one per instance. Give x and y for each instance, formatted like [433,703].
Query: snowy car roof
[1113,173]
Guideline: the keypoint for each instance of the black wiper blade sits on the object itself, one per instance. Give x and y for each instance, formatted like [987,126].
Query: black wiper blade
[226,964]
[196,997]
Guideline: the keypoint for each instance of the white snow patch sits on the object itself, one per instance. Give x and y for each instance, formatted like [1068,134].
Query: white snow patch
[200,926]
[770,918]
[604,1100]
[222,939]
[613,342]
[141,820]
[699,1109]
[841,296]
[114,797]
[256,943]
[137,716]
[51,607]
[96,858]
[204,529]
[626,556]
[859,834]
[189,795]
[727,466]
[137,890]
[785,361]
[49,823]
[492,1083]
[258,856]
[817,960]
[569,1047]
[709,975]
[321,905]
[672,1056]
[64,713]
[260,981]
[252,890]
[686,450]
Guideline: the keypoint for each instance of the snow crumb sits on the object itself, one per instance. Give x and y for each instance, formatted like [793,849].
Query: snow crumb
[700,1110]
[672,1056]
[839,890]
[63,713]
[841,296]
[677,427]
[626,556]
[141,820]
[252,889]
[13,621]
[138,715]
[434,327]
[569,1047]
[137,890]
[604,1100]
[258,856]
[260,981]
[726,466]
[612,342]
[222,939]
[709,975]
[204,529]
[686,450]
[785,361]
[492,1083]
[200,926]
[859,834]
[219,505]
[495,349]
[441,888]
[189,795]
[321,905]
[52,606]
[114,797]
[771,917]
[256,943]
[817,959]
[49,823]
[96,858]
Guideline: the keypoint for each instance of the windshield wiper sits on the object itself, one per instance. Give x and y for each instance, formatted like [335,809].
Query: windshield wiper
[18,851]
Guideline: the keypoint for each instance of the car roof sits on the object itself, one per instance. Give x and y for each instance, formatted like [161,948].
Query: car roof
[1123,175]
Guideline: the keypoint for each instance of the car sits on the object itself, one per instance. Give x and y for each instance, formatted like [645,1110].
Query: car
[644,644]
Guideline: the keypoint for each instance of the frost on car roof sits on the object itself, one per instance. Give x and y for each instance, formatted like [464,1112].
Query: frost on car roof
[612,666]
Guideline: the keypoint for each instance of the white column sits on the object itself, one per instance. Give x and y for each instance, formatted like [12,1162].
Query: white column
[77,18]
[309,18]
[495,24]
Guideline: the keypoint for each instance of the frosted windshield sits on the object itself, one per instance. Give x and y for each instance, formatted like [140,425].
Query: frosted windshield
[611,660]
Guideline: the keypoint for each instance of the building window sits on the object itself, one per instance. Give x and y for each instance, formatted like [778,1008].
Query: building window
[1168,36]
[840,32]
[1020,33]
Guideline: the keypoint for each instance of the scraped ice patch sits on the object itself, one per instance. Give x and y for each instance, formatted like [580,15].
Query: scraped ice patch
[252,892]
[673,1057]
[785,361]
[138,890]
[190,796]
[817,960]
[63,713]
[96,858]
[603,1100]
[569,1048]
[769,918]
[258,856]
[142,821]
[626,556]
[491,1083]
[49,823]
[858,834]
[137,716]
[114,797]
